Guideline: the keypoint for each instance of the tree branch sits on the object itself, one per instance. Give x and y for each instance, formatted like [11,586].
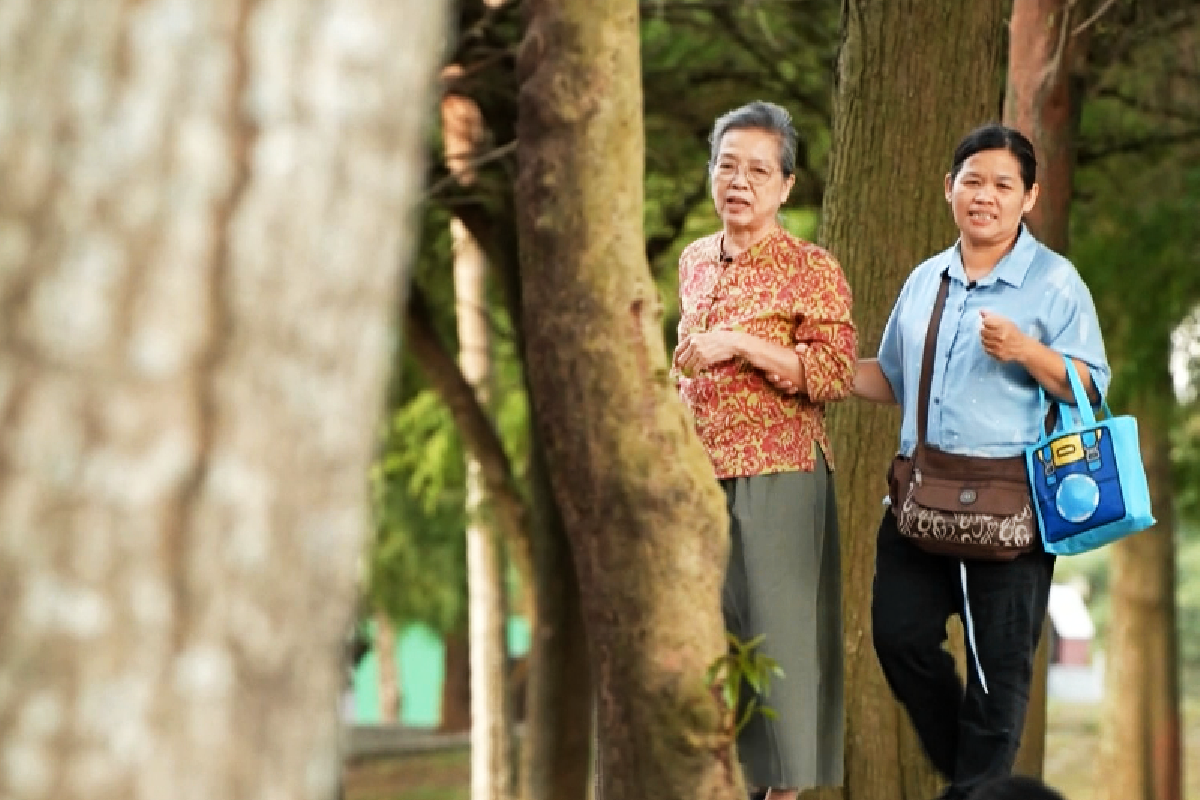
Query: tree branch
[479,435]
[1088,157]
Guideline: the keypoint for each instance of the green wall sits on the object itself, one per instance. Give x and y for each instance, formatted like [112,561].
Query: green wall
[420,657]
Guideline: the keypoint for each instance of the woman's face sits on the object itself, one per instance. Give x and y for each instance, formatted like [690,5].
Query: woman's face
[748,186]
[988,197]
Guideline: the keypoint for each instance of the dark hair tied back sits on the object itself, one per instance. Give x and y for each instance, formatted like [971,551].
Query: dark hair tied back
[995,136]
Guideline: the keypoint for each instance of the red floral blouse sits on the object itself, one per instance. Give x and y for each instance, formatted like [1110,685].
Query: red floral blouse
[787,291]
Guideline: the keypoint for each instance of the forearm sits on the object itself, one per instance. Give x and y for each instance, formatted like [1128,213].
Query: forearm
[871,384]
[773,359]
[1047,367]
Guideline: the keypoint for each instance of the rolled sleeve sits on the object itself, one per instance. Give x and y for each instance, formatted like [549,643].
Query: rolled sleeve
[891,346]
[1075,332]
[827,328]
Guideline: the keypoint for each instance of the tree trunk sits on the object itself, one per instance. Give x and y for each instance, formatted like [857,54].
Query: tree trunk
[556,753]
[389,670]
[456,685]
[1140,735]
[491,721]
[203,211]
[643,514]
[1042,103]
[899,111]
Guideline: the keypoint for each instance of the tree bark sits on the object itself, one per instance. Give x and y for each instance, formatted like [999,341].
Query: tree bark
[204,207]
[899,111]
[1041,101]
[492,775]
[1140,734]
[389,670]
[643,514]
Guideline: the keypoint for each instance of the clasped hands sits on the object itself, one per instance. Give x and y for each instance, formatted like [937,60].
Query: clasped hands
[699,351]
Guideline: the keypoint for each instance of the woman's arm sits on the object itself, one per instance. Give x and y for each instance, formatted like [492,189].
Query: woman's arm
[1004,341]
[871,384]
[783,364]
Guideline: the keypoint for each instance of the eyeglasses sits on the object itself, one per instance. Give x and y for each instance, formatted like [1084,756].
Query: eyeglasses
[756,174]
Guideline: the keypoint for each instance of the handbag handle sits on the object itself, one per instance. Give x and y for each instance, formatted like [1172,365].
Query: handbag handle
[1083,403]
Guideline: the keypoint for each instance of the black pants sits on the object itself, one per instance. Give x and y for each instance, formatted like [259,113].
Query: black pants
[970,733]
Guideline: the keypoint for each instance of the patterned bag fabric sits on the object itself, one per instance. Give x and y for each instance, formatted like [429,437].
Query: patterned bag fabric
[954,505]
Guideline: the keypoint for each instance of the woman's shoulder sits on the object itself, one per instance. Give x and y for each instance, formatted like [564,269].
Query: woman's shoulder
[703,247]
[789,247]
[1050,269]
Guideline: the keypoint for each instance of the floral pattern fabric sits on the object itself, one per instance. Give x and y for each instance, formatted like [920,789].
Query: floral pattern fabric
[784,290]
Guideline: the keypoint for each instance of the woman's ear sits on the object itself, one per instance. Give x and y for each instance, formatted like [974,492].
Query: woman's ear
[787,189]
[1030,198]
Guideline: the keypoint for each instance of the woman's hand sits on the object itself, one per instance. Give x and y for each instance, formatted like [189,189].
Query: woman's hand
[783,384]
[1002,339]
[702,350]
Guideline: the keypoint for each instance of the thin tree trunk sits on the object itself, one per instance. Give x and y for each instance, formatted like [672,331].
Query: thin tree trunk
[899,111]
[204,205]
[1040,101]
[1140,735]
[456,684]
[643,514]
[389,670]
[491,741]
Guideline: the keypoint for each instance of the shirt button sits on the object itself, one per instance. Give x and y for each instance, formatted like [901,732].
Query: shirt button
[937,401]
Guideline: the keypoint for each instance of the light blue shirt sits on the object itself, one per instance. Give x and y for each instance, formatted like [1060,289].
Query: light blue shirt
[977,405]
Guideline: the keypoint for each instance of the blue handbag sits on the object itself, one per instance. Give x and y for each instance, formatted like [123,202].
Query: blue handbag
[1087,480]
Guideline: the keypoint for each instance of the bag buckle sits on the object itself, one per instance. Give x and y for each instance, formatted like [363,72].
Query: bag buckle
[967,496]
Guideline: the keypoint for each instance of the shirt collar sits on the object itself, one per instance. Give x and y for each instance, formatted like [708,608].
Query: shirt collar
[1011,269]
[718,242]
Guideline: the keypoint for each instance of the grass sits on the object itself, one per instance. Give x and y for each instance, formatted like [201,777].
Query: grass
[1072,744]
[436,776]
[1072,750]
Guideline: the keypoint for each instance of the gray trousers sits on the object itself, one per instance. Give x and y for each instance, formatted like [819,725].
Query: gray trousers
[784,581]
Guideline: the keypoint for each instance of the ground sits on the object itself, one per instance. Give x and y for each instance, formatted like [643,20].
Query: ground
[1071,748]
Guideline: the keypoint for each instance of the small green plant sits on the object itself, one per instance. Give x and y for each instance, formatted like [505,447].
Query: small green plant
[742,663]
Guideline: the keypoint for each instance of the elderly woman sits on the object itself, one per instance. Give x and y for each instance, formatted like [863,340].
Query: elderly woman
[749,294]
[1011,309]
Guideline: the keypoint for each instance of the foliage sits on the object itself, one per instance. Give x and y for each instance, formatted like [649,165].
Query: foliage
[743,672]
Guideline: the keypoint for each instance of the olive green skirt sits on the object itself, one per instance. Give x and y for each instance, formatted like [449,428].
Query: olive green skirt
[784,581]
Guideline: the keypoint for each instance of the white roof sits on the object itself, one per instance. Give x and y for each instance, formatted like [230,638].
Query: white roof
[1069,614]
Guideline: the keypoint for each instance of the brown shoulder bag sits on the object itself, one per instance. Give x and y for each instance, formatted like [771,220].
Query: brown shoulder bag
[960,506]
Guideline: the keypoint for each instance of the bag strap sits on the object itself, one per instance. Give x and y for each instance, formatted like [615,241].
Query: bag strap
[931,334]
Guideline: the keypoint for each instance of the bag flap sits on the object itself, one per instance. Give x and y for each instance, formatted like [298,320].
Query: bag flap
[997,498]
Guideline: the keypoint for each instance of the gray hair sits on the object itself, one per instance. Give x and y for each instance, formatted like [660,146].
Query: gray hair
[763,116]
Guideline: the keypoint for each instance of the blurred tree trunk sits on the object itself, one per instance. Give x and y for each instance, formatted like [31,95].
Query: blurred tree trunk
[204,207]
[389,670]
[644,517]
[899,111]
[1042,101]
[491,720]
[1140,736]
[456,684]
